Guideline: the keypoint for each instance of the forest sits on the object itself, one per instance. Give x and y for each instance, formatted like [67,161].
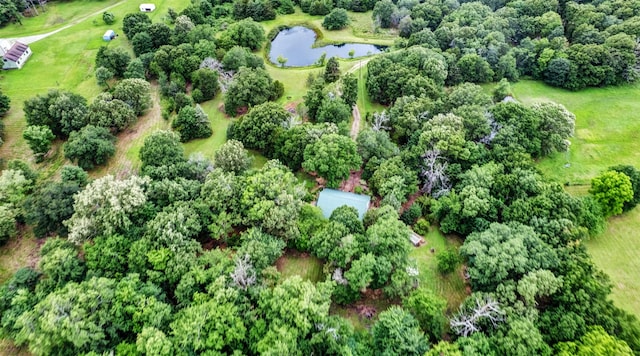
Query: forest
[179,254]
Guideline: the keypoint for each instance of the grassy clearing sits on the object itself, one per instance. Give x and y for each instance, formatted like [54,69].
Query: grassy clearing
[366,106]
[219,122]
[607,128]
[17,253]
[294,263]
[607,132]
[358,322]
[7,348]
[617,252]
[451,286]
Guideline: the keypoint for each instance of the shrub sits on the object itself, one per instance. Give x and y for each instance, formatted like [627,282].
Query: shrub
[336,20]
[409,216]
[108,17]
[447,261]
[422,227]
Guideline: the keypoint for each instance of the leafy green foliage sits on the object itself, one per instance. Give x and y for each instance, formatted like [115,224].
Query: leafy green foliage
[332,70]
[91,146]
[61,111]
[105,206]
[39,139]
[612,189]
[447,261]
[258,129]
[634,176]
[109,112]
[505,252]
[249,87]
[114,59]
[332,157]
[191,123]
[396,332]
[337,19]
[244,33]
[428,309]
[135,92]
[232,157]
[49,206]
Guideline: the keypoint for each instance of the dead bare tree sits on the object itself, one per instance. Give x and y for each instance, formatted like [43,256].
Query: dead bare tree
[468,320]
[495,128]
[436,181]
[379,121]
[225,76]
[244,275]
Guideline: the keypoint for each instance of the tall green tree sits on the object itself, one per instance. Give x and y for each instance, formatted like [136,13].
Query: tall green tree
[612,190]
[39,139]
[332,157]
[91,146]
[397,333]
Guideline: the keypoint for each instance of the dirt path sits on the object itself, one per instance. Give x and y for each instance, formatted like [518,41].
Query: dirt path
[34,38]
[130,139]
[355,127]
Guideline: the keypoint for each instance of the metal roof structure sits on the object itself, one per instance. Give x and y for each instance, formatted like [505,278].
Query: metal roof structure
[16,51]
[331,199]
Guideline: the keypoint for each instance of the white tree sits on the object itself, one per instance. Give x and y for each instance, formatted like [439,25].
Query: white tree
[244,275]
[436,181]
[468,319]
[104,207]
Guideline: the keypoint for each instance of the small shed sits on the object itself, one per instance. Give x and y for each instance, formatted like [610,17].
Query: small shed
[416,239]
[15,56]
[331,199]
[147,7]
[109,35]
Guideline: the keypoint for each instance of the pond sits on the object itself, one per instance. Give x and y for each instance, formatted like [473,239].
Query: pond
[296,45]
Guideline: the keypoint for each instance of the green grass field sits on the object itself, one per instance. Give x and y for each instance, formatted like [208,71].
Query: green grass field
[607,128]
[451,287]
[607,133]
[294,263]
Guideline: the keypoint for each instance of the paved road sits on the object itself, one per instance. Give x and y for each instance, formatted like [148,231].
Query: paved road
[34,38]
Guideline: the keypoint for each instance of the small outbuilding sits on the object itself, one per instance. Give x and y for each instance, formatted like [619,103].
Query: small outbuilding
[147,7]
[14,55]
[331,199]
[416,239]
[109,35]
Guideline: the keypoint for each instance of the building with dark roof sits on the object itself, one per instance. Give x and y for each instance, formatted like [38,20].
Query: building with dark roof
[15,56]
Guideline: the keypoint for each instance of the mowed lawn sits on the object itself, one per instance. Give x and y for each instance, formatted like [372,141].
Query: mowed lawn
[617,252]
[607,128]
[607,133]
[451,286]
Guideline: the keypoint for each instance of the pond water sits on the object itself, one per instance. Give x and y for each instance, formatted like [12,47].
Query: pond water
[296,45]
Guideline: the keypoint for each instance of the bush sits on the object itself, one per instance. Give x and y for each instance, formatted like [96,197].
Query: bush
[422,226]
[91,146]
[447,261]
[197,96]
[336,20]
[409,216]
[192,123]
[108,17]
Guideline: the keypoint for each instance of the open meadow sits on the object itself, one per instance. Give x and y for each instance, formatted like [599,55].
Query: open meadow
[607,134]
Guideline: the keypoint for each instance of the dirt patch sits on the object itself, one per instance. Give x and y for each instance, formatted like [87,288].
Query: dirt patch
[410,201]
[352,182]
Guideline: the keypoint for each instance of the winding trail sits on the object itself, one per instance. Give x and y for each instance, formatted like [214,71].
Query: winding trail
[34,38]
[355,126]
